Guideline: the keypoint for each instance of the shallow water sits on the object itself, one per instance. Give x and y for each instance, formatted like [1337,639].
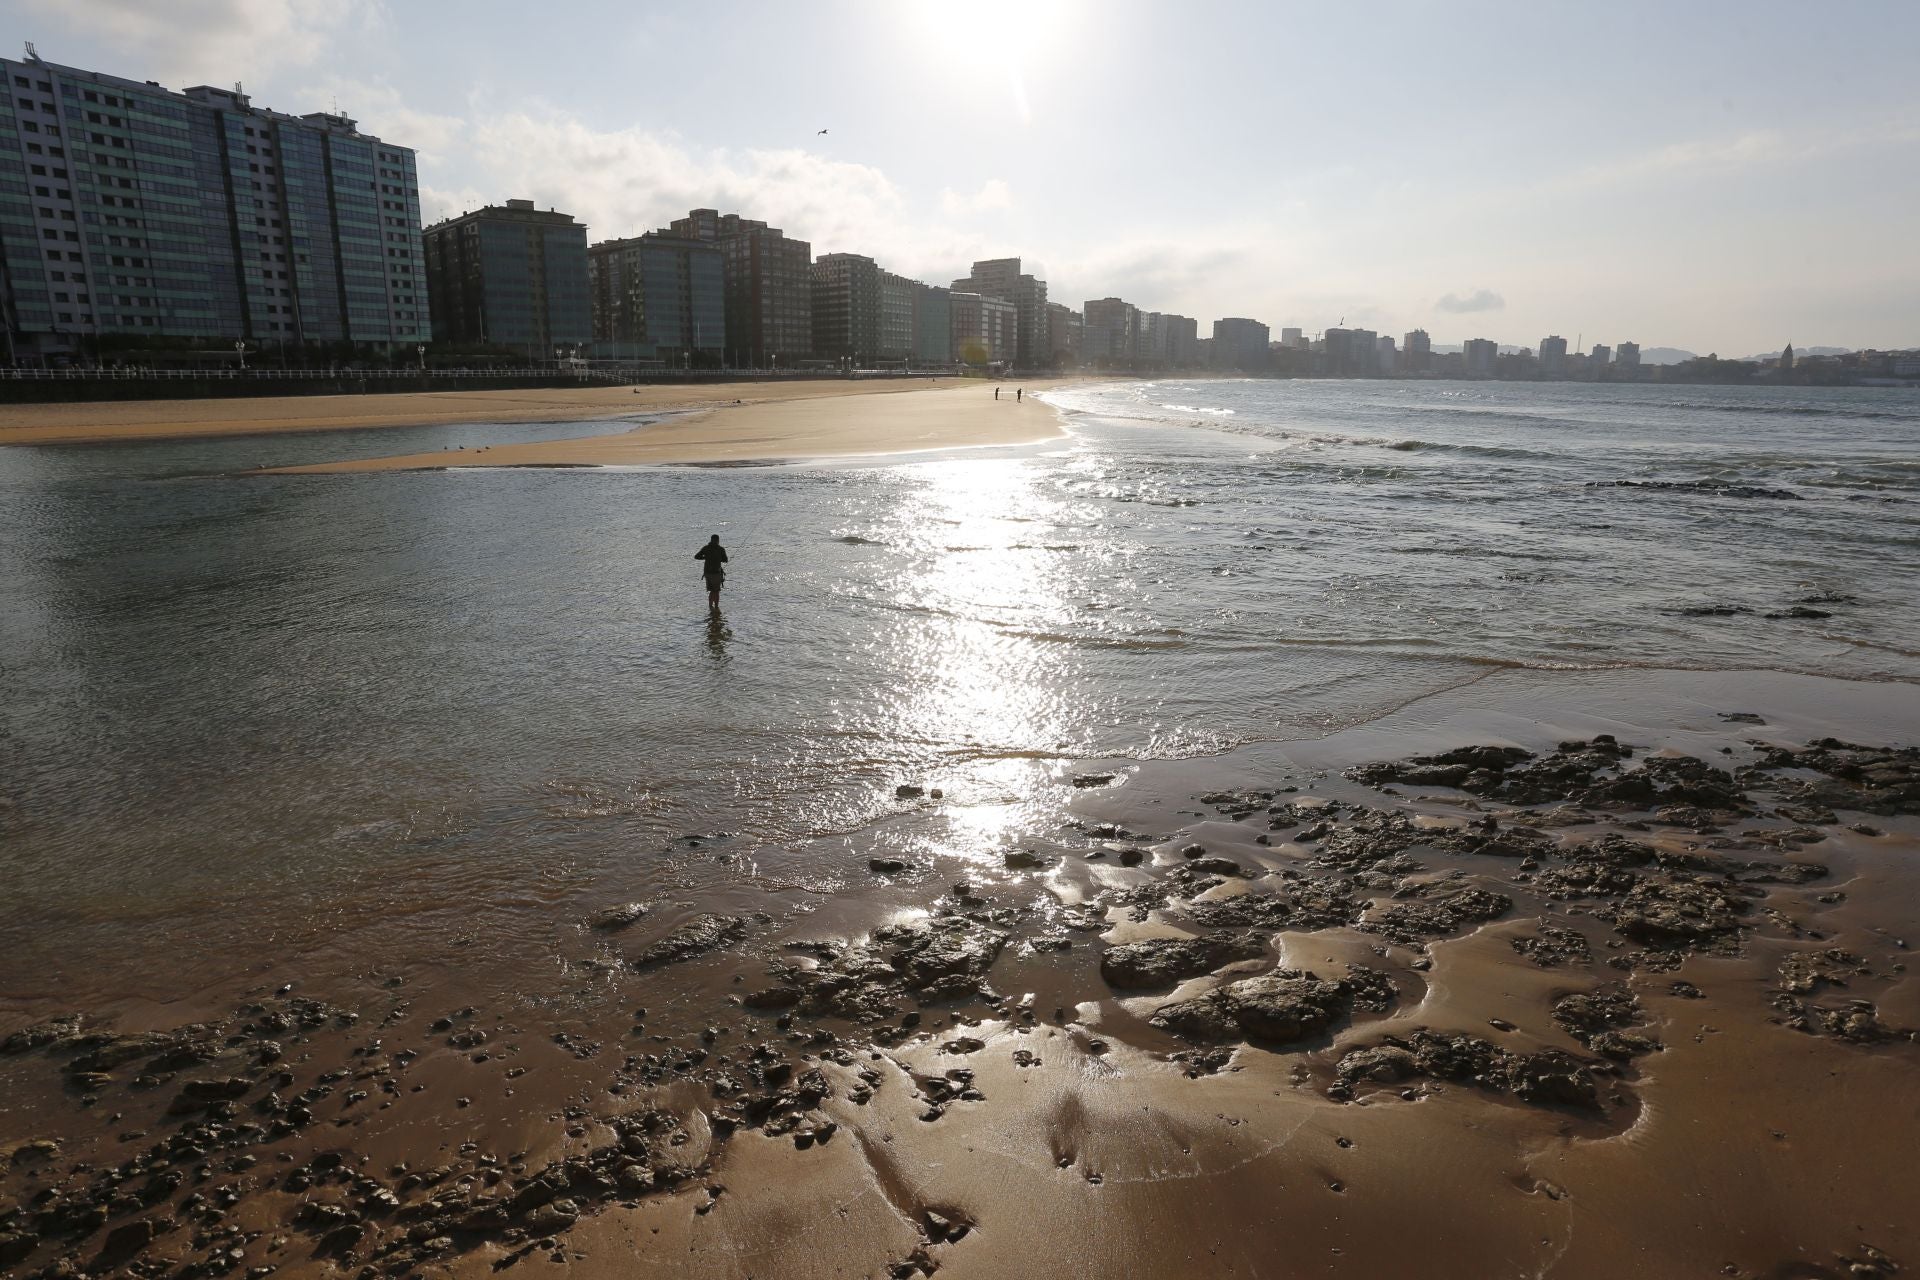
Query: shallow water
[320,711]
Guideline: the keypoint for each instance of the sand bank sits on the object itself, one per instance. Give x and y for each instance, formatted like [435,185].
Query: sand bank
[107,421]
[917,416]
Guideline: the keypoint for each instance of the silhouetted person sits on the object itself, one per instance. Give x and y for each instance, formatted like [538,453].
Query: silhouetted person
[996,393]
[1017,393]
[713,558]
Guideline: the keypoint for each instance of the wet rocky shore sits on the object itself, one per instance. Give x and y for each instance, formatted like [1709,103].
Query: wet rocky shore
[1485,926]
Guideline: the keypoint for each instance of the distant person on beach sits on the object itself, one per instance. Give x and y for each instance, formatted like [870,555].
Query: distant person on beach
[713,558]
[996,393]
[1017,393]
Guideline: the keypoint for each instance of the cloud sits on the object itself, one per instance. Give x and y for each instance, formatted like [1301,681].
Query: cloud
[188,42]
[993,195]
[1478,300]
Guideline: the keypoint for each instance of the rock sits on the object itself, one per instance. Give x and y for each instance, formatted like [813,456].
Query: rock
[702,933]
[1382,1064]
[128,1239]
[1281,1009]
[1023,859]
[552,1218]
[42,1034]
[1132,857]
[1593,1018]
[886,866]
[908,791]
[1218,867]
[15,1246]
[963,1045]
[1163,962]
[1092,779]
[620,917]
[772,998]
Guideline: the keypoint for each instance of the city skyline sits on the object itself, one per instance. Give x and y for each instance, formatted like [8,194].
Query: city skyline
[1719,180]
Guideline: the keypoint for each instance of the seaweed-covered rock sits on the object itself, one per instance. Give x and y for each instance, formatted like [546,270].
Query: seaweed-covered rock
[1411,921]
[1594,1018]
[1680,913]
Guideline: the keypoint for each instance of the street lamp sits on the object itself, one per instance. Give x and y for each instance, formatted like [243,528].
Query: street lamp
[240,349]
[422,349]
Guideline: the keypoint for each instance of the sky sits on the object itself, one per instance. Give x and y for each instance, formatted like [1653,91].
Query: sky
[1713,176]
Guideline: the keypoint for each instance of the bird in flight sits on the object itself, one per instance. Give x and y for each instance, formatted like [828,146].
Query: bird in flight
[822,131]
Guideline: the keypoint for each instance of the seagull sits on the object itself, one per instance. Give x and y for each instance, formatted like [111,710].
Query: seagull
[822,131]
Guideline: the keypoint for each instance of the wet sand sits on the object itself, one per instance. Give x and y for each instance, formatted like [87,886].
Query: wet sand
[1572,975]
[819,426]
[101,422]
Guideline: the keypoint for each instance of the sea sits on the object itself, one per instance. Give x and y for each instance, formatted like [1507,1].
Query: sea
[329,718]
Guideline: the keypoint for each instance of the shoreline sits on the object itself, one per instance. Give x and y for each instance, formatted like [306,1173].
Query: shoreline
[914,420]
[909,1072]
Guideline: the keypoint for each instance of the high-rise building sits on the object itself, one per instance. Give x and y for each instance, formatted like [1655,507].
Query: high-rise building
[510,276]
[1239,343]
[985,330]
[1182,340]
[769,285]
[1386,359]
[1599,357]
[932,325]
[1109,333]
[1291,336]
[1553,355]
[1627,355]
[1002,278]
[1786,357]
[1064,334]
[657,297]
[896,317]
[130,212]
[1479,357]
[1366,353]
[846,308]
[1416,352]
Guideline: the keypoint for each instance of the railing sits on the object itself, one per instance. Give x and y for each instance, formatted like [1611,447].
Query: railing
[623,373]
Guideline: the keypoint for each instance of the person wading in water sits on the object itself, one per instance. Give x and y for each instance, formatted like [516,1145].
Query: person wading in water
[713,558]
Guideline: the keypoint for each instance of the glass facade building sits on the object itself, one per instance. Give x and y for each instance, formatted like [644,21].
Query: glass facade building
[510,276]
[129,213]
[657,297]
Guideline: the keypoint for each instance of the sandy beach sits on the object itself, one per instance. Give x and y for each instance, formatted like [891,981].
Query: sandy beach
[1481,990]
[862,421]
[925,424]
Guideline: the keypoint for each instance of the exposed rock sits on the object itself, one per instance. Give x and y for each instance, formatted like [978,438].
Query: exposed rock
[1414,920]
[1594,1018]
[702,933]
[1548,1077]
[619,917]
[1163,962]
[1553,946]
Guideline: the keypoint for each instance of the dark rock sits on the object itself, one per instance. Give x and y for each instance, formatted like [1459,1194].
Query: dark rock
[1092,779]
[907,791]
[1023,859]
[886,866]
[702,933]
[620,917]
[1164,962]
[1594,1018]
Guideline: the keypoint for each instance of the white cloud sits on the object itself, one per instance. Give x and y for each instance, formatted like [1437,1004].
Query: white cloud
[1478,300]
[994,195]
[188,42]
